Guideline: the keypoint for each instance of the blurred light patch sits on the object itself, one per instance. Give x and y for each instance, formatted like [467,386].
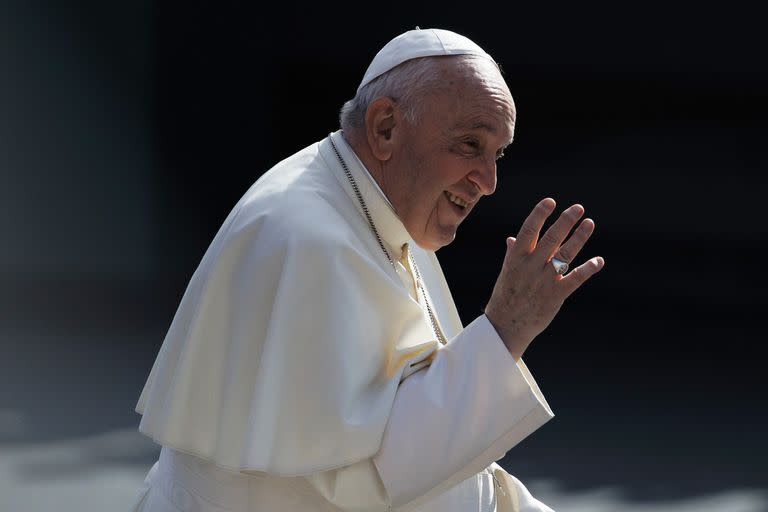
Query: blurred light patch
[97,473]
[611,500]
[105,472]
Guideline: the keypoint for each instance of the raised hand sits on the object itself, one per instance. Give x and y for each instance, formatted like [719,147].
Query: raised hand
[529,292]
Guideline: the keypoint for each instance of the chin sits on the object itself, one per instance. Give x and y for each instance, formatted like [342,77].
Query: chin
[436,242]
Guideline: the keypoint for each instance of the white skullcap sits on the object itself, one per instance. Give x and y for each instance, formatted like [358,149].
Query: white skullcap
[419,43]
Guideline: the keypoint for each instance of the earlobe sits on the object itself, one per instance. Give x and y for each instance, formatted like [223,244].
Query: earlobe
[380,124]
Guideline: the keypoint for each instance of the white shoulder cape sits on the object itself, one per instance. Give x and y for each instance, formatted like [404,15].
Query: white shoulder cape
[292,336]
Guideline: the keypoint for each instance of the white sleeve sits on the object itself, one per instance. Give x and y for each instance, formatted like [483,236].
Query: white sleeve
[448,422]
[514,495]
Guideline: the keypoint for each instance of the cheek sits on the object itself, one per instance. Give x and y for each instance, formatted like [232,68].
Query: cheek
[433,176]
[433,188]
[448,172]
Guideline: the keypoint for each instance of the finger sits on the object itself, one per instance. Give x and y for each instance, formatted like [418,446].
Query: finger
[554,236]
[570,249]
[508,256]
[578,276]
[529,231]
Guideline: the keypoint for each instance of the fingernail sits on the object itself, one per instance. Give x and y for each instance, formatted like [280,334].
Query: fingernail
[599,262]
[549,203]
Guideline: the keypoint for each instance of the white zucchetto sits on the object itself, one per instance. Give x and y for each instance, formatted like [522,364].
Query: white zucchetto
[419,43]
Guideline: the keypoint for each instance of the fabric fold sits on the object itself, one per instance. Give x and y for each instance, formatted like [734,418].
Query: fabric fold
[292,318]
[474,403]
[298,351]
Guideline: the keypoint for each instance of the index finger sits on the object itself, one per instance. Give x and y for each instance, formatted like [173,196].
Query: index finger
[528,235]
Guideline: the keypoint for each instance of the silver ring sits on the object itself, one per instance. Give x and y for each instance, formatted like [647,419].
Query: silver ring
[561,267]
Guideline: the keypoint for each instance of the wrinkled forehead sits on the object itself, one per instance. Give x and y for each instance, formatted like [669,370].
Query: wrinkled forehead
[482,99]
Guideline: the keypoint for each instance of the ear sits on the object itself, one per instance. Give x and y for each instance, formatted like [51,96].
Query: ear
[381,120]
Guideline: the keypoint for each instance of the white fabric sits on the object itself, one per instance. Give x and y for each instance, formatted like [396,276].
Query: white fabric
[180,482]
[419,43]
[367,175]
[466,419]
[285,359]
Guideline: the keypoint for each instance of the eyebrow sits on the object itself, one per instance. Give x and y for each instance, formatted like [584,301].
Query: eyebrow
[481,125]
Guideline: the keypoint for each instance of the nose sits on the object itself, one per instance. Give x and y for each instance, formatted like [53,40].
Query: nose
[484,178]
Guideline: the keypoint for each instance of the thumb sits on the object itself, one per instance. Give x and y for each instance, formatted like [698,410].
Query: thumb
[510,245]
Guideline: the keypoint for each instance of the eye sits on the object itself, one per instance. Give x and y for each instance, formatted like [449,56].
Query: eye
[472,144]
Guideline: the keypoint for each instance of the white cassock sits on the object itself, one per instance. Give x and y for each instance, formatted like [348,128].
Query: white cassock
[302,373]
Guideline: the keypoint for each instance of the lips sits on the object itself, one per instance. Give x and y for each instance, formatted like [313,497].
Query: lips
[456,200]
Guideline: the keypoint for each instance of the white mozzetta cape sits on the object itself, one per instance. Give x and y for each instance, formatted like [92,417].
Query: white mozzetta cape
[298,351]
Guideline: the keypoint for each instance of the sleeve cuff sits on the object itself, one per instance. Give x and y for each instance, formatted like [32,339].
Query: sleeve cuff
[488,333]
[453,419]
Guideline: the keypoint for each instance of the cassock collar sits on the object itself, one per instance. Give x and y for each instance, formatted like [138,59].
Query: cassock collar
[390,227]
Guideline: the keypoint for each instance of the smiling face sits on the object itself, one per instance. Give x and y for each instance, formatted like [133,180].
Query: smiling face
[441,166]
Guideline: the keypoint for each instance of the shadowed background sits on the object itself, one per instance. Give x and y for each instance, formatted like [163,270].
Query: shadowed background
[128,131]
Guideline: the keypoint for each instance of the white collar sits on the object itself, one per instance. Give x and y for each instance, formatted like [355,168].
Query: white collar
[388,224]
[368,174]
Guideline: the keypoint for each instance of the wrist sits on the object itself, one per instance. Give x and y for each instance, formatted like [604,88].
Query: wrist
[515,343]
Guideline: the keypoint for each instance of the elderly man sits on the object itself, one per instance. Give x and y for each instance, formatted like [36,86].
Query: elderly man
[316,361]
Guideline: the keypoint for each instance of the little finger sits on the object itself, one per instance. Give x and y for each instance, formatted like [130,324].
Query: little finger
[578,276]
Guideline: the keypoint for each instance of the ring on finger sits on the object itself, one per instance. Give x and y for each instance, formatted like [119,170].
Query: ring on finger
[561,267]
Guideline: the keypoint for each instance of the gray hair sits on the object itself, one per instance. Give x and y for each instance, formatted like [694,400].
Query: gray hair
[406,84]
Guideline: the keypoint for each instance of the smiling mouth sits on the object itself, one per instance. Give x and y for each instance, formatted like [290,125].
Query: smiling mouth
[456,200]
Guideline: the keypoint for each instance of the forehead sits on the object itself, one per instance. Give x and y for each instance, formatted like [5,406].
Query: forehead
[478,99]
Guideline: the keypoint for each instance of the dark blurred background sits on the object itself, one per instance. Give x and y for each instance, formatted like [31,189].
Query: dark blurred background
[128,130]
